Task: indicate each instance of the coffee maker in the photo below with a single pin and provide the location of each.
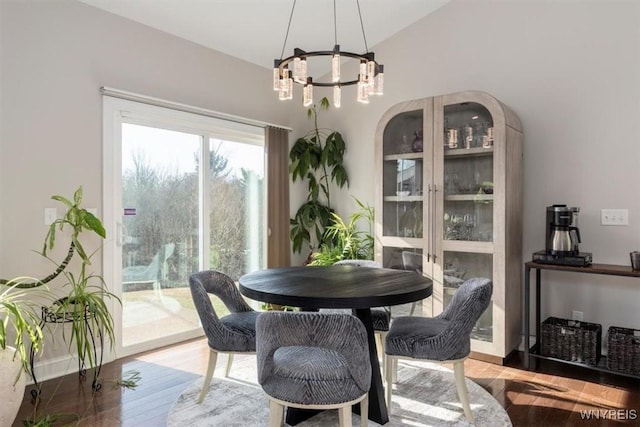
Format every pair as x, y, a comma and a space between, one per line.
562, 238
563, 235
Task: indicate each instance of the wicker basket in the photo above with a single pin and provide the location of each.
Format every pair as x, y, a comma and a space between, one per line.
624, 350
570, 340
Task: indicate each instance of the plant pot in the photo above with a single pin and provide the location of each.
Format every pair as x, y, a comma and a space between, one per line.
11, 392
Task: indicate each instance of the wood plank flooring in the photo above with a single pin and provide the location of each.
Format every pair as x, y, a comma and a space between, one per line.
552, 396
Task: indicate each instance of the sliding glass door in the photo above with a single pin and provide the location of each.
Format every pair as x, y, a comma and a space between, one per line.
188, 195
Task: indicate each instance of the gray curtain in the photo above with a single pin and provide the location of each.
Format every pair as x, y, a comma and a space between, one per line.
277, 150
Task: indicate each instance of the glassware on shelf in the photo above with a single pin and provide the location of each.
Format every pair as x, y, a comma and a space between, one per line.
452, 138
487, 140
417, 142
468, 137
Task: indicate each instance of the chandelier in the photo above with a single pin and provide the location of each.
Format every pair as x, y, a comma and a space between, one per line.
293, 69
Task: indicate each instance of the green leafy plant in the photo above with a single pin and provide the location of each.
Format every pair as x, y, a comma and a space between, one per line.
18, 314
344, 240
318, 158
84, 306
129, 380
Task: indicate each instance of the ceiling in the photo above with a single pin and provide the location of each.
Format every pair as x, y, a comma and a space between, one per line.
254, 30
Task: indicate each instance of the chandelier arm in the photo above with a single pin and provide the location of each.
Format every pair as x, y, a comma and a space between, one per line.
366, 48
362, 57
293, 7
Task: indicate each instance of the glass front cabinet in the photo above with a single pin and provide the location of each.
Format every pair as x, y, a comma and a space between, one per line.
449, 204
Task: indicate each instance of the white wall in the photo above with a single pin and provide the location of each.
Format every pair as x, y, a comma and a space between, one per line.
571, 71
55, 57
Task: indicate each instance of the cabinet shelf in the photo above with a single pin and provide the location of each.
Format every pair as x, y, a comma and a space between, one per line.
404, 156
468, 152
469, 198
403, 198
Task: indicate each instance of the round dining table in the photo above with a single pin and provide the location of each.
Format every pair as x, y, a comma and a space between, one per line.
340, 286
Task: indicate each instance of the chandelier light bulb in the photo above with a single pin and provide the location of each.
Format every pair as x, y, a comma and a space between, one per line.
363, 72
335, 67
307, 93
379, 88
337, 96
276, 78
363, 93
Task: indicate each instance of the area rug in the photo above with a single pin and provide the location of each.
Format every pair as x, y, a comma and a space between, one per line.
425, 395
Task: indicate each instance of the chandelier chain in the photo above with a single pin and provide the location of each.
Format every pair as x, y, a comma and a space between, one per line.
366, 48
335, 24
289, 26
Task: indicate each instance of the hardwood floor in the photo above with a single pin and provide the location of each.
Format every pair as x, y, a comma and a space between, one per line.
552, 396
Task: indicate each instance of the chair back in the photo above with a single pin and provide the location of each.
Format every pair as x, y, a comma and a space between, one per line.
360, 263
216, 283
468, 304
343, 333
412, 261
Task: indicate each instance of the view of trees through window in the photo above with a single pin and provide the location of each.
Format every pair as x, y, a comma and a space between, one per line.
162, 207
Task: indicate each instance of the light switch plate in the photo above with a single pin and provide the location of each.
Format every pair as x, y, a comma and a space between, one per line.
50, 215
614, 217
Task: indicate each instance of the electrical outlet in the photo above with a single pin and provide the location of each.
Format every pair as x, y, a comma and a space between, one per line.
576, 315
614, 217
50, 215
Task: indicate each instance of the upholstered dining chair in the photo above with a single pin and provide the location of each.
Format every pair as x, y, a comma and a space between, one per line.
412, 261
313, 360
233, 333
444, 338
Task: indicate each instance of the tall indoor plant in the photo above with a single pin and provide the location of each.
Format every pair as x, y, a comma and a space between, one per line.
316, 157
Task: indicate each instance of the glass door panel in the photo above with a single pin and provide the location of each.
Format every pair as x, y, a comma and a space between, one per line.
160, 241
236, 199
460, 266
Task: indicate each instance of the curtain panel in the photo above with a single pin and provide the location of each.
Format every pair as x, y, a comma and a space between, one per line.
277, 152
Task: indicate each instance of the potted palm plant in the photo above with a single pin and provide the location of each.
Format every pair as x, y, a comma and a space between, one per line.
345, 240
19, 333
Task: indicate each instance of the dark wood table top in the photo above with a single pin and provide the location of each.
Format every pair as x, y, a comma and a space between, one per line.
336, 286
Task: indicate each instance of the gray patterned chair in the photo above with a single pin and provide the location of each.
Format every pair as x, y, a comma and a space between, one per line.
233, 333
315, 361
412, 261
444, 338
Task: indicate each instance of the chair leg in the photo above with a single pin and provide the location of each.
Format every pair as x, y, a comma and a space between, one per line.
413, 308
213, 359
389, 378
463, 393
364, 411
229, 362
344, 416
276, 414
380, 338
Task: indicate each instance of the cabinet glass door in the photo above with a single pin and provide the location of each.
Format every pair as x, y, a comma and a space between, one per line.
467, 223
403, 177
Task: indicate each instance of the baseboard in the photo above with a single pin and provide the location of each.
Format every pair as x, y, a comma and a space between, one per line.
54, 368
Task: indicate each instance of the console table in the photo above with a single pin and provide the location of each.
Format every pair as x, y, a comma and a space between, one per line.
534, 352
